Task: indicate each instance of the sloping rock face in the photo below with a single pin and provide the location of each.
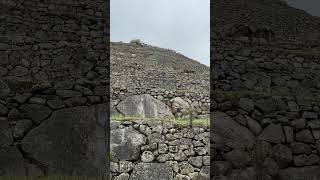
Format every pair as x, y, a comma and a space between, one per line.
143, 66
71, 141
144, 106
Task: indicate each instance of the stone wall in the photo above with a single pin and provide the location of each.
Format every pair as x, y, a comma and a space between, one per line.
265, 111
54, 88
155, 150
200, 101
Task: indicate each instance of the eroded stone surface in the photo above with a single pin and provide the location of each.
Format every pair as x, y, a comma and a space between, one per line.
156, 171
144, 106
78, 148
126, 143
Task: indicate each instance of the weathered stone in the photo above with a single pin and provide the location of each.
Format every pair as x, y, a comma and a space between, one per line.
35, 112
126, 143
299, 123
273, 133
164, 157
147, 156
267, 105
5, 133
144, 106
37, 100
238, 158
125, 166
4, 89
310, 115
246, 104
254, 126
314, 124
3, 110
185, 168
55, 104
156, 138
282, 153
306, 160
101, 90
227, 132
300, 148
19, 71
288, 131
242, 174
181, 177
293, 106
304, 136
79, 147
179, 105
271, 166
204, 173
220, 167
11, 162
22, 98
195, 161
156, 171
21, 127
122, 176
67, 93
163, 148
114, 167
292, 173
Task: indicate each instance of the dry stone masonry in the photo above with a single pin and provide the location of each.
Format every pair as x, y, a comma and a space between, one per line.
138, 69
265, 108
159, 150
53, 88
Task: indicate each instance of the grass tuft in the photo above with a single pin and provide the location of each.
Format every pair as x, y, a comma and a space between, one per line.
176, 122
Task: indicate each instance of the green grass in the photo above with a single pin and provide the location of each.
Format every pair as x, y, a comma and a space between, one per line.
49, 178
176, 122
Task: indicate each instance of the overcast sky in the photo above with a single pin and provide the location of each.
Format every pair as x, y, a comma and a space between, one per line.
311, 6
181, 25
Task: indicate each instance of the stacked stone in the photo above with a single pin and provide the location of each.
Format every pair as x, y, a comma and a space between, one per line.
136, 66
200, 101
53, 67
155, 150
266, 112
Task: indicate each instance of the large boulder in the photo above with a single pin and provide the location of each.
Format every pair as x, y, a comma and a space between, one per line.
180, 105
154, 171
227, 132
125, 144
308, 172
71, 142
144, 106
